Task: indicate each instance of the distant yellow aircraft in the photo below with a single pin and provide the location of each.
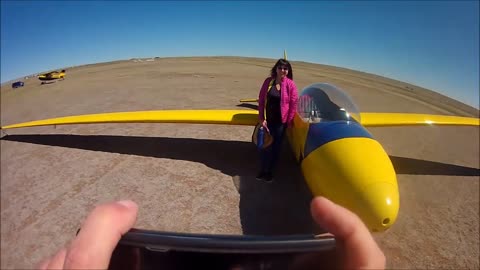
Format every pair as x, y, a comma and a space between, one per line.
54, 75
339, 158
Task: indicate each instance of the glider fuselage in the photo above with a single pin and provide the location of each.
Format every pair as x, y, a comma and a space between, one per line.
340, 160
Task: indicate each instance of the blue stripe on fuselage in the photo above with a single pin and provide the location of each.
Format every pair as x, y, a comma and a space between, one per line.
322, 133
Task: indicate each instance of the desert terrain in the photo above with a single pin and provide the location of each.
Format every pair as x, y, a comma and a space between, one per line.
201, 178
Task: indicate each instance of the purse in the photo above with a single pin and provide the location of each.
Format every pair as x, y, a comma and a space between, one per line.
261, 137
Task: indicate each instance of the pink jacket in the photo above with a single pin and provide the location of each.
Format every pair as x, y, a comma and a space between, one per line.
288, 100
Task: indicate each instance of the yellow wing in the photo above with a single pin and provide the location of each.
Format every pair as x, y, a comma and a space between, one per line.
239, 117
249, 100
229, 117
409, 119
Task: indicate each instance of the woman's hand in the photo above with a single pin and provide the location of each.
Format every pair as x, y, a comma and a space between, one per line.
264, 124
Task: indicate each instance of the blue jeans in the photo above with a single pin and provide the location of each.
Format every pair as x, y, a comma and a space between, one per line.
269, 155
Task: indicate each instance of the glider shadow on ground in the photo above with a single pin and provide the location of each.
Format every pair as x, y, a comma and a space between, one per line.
247, 105
194, 150
404, 165
281, 208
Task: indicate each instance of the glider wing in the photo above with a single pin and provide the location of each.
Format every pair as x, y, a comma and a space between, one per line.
249, 100
228, 117
410, 119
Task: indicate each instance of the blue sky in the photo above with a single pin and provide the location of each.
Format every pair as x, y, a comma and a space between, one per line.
433, 44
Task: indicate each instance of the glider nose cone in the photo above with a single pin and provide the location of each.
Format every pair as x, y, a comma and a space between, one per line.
384, 204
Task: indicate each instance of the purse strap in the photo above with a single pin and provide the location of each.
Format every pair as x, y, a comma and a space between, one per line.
272, 81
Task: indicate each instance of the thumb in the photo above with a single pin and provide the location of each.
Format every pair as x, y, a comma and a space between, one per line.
358, 246
100, 233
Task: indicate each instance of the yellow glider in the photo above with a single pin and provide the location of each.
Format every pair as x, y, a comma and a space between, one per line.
54, 75
339, 158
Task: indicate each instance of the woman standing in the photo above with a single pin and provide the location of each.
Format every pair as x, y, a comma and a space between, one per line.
277, 104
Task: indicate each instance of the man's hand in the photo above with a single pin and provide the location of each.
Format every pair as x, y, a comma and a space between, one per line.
355, 245
98, 237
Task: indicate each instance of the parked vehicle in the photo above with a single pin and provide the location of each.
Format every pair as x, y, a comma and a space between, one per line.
18, 84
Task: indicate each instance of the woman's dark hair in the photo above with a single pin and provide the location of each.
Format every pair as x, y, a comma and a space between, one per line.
282, 62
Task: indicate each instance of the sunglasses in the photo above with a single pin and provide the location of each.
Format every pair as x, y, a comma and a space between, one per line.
282, 68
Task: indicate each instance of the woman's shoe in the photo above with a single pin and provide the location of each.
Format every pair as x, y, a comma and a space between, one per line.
260, 176
268, 177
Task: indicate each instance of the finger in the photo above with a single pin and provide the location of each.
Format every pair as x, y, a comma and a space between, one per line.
361, 250
100, 233
337, 220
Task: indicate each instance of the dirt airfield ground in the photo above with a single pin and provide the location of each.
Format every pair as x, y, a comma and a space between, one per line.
200, 178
